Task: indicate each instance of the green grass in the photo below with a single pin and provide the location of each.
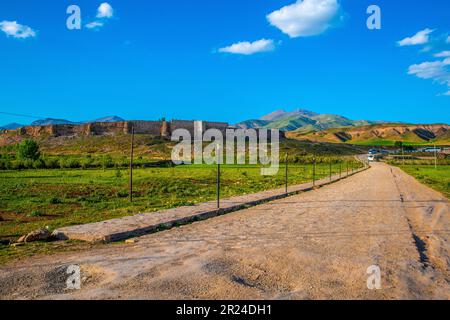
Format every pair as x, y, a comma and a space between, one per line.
438, 179
32, 199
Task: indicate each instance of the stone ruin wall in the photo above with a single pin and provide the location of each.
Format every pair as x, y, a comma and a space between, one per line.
156, 128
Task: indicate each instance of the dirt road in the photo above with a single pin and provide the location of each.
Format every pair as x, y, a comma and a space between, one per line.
314, 245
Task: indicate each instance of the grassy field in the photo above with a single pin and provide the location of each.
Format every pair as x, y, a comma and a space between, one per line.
438, 179
85, 179
31, 199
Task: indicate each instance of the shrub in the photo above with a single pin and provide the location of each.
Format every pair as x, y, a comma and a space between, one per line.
55, 200
28, 164
39, 164
51, 163
9, 165
107, 162
87, 163
69, 163
28, 149
36, 213
122, 194
73, 164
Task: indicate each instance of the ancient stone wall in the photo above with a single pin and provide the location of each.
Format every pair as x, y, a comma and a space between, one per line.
157, 128
222, 126
147, 127
182, 124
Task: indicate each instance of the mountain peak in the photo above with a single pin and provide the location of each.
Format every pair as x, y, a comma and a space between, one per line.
281, 114
50, 121
109, 119
301, 119
12, 126
272, 116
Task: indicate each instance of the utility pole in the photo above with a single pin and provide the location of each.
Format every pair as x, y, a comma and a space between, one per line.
131, 162
403, 155
218, 176
435, 157
286, 174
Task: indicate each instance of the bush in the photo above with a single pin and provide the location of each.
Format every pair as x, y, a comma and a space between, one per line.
9, 165
69, 164
28, 149
122, 194
51, 163
73, 164
55, 200
28, 164
107, 162
16, 165
39, 164
87, 163
36, 213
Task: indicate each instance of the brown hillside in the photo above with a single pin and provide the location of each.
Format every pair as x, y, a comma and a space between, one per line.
433, 133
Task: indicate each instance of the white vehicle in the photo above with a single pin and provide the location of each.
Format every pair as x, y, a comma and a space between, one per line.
371, 157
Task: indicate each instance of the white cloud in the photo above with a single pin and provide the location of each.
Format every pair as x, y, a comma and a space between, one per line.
438, 71
421, 37
94, 25
105, 11
448, 39
305, 17
249, 48
442, 54
16, 30
429, 70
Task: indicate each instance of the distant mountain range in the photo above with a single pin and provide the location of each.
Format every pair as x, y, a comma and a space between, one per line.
108, 119
302, 120
50, 121
380, 134
12, 126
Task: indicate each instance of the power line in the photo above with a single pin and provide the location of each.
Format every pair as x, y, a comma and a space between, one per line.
20, 115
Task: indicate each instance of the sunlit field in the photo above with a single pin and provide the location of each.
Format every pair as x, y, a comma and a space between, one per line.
30, 199
438, 179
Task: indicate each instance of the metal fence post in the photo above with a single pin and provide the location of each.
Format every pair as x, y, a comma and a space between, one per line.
131, 162
331, 169
314, 172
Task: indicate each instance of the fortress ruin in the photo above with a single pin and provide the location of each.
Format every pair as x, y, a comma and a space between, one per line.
161, 129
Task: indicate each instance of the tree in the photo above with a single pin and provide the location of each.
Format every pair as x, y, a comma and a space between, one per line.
399, 143
28, 150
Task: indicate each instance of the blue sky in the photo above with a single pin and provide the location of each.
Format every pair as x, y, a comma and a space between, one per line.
175, 59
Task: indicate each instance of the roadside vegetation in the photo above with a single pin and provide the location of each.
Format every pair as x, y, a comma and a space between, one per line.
438, 179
